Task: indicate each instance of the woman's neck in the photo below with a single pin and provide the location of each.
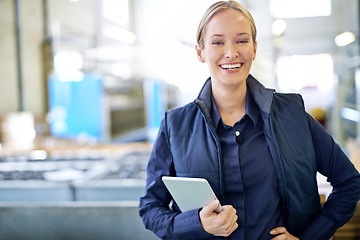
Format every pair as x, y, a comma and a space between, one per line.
230, 102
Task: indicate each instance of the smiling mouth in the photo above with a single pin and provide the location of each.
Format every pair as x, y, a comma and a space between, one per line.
231, 66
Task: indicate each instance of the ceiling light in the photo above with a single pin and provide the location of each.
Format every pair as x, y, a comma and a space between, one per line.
278, 27
344, 39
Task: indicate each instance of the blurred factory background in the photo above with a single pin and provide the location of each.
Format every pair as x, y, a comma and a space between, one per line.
84, 85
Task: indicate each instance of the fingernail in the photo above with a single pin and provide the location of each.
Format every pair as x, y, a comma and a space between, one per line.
272, 232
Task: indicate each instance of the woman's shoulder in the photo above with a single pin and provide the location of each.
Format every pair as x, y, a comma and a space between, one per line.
288, 99
181, 110
184, 117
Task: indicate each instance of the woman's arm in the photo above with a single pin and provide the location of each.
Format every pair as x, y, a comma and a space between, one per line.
344, 178
154, 207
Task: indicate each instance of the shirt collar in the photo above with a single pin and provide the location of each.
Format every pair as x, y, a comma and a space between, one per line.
251, 110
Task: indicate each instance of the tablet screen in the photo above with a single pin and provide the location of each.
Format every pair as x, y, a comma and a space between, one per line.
190, 193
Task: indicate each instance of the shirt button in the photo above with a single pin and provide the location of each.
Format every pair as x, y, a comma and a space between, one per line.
237, 133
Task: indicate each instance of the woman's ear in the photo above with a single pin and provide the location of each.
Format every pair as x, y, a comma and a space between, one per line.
199, 53
255, 48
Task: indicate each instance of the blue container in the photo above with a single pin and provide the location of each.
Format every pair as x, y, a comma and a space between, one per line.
76, 107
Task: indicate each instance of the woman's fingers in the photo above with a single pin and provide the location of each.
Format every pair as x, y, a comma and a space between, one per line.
282, 234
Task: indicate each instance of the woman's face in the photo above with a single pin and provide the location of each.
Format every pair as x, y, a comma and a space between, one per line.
228, 47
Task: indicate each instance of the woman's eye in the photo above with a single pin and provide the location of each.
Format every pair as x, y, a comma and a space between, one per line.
217, 43
243, 41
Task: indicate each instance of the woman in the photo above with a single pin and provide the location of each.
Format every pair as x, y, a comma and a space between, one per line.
259, 150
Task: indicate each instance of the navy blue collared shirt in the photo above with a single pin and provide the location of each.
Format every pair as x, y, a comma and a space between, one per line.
250, 181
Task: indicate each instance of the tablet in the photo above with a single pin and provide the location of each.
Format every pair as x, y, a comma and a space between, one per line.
190, 193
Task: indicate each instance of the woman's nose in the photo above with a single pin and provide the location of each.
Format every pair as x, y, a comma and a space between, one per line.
230, 51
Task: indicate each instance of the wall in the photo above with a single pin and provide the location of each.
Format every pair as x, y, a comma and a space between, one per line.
78, 19
32, 37
31, 32
8, 82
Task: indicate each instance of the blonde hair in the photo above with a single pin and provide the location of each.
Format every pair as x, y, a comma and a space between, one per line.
219, 7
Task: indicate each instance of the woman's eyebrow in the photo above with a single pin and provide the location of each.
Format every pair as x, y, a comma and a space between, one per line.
217, 35
245, 33
222, 35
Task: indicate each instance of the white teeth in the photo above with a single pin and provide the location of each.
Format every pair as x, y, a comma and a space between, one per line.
230, 66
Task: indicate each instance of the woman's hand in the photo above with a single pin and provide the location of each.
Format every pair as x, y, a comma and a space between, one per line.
282, 234
218, 224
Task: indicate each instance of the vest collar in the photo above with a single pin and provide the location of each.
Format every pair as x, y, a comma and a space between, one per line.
262, 96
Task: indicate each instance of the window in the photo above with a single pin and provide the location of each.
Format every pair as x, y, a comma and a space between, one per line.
300, 72
116, 11
300, 8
